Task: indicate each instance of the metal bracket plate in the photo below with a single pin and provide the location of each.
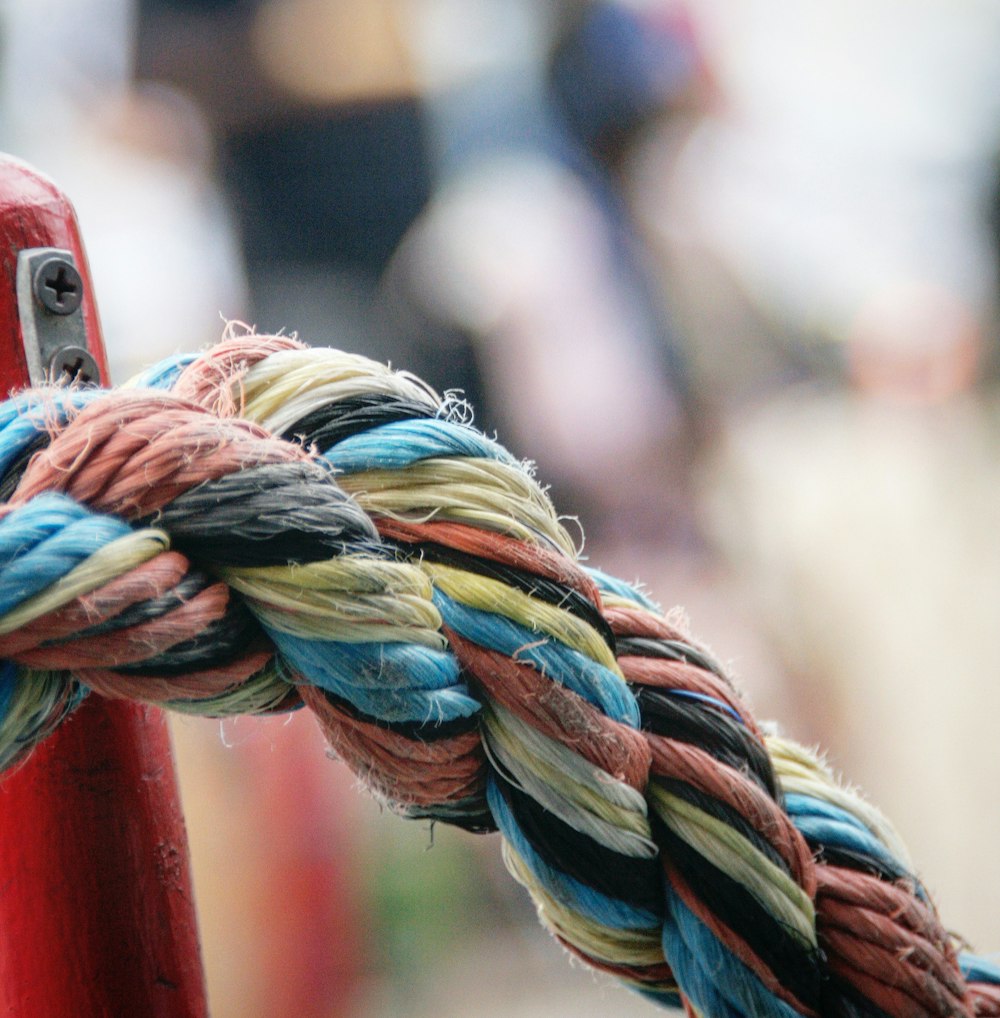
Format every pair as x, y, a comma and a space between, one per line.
50, 307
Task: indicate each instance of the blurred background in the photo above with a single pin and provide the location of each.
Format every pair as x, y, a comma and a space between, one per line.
726, 269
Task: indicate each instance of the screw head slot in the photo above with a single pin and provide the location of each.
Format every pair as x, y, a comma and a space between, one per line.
58, 286
74, 364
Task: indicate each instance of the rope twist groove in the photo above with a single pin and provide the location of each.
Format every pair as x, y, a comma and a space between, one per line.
265, 525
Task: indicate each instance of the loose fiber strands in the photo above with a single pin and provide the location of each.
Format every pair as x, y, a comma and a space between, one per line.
265, 525
363, 454
212, 483
383, 388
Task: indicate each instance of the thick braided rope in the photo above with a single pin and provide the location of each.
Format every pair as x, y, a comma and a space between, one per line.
266, 525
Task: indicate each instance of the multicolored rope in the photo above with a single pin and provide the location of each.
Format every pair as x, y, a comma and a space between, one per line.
267, 525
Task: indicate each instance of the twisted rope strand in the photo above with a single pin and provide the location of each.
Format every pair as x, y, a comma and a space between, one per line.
264, 526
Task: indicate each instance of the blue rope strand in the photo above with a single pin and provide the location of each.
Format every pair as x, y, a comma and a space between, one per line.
390, 681
612, 585
164, 374
42, 541
825, 824
402, 443
979, 970
25, 416
714, 979
8, 677
565, 889
597, 684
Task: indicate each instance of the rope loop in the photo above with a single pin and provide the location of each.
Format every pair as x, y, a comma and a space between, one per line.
265, 526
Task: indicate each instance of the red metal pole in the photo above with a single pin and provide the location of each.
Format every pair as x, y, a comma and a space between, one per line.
96, 907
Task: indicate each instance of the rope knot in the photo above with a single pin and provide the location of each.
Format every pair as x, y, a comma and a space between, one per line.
265, 526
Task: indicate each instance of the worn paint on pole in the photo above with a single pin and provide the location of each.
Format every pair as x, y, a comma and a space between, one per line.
96, 907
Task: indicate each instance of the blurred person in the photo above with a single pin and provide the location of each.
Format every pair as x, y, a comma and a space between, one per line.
407, 185
375, 151
137, 164
823, 224
834, 194
137, 160
347, 131
315, 109
528, 247
617, 67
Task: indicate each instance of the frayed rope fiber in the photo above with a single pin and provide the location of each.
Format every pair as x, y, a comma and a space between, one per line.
265, 526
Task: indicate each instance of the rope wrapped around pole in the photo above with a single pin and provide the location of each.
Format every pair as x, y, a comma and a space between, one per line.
266, 525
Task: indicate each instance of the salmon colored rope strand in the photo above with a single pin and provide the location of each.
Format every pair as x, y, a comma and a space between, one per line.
270, 526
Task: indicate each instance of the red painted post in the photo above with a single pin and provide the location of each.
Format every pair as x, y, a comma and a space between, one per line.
96, 908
